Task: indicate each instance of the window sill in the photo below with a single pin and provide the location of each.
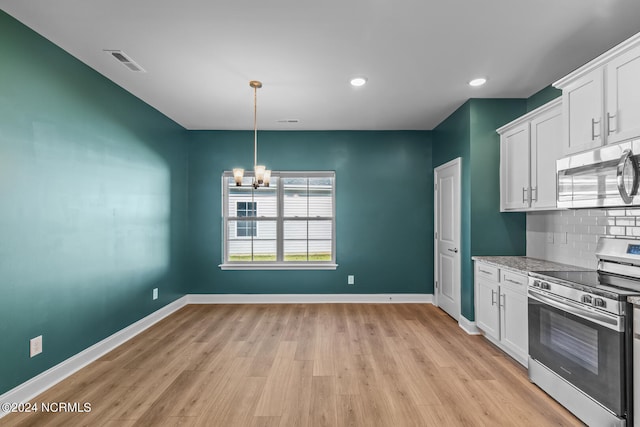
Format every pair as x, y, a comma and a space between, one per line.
275, 266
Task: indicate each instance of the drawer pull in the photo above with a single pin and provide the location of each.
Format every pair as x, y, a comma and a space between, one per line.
485, 271
515, 282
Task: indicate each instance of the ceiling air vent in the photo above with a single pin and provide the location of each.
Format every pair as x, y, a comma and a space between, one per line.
125, 60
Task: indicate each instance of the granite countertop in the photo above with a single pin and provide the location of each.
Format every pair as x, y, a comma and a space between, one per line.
523, 264
634, 300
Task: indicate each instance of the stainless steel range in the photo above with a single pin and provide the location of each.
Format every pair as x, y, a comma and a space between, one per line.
580, 334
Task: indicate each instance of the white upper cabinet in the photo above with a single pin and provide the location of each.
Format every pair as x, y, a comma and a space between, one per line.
583, 100
514, 162
602, 99
529, 148
546, 148
623, 96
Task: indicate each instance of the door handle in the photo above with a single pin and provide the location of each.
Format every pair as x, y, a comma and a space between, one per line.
593, 129
454, 250
609, 117
493, 295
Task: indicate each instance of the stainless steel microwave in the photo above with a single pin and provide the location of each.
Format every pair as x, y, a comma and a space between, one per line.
604, 177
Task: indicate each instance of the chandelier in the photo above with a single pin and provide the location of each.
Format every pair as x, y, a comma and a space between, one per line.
261, 175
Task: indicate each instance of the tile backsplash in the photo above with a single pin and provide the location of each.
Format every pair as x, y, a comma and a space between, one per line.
570, 236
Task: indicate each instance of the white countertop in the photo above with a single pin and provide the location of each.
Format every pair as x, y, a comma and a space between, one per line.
523, 264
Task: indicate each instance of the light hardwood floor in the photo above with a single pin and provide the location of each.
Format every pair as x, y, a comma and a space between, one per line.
303, 365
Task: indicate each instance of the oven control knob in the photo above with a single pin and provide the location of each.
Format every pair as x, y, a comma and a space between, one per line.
599, 302
544, 285
587, 299
536, 283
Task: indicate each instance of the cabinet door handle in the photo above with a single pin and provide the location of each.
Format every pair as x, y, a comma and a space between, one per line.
593, 128
534, 199
609, 130
502, 297
524, 195
493, 297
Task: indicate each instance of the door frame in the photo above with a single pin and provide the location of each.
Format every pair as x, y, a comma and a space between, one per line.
457, 222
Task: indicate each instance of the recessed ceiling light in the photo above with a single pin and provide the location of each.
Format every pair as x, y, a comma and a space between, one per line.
358, 81
477, 82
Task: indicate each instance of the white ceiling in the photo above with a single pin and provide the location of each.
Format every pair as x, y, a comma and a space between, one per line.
417, 54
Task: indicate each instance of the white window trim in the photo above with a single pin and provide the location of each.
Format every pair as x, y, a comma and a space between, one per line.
279, 265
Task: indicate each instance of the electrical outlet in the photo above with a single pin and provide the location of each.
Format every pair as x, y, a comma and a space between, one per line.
35, 346
351, 279
155, 293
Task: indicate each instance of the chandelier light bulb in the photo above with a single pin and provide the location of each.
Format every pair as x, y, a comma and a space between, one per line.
259, 171
237, 175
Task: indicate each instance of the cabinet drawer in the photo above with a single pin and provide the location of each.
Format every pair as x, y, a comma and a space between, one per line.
488, 271
518, 281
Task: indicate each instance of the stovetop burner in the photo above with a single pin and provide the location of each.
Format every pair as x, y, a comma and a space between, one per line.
609, 285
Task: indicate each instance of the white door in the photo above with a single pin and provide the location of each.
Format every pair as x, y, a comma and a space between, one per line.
447, 237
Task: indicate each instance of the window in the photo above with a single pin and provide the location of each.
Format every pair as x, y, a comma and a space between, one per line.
288, 225
246, 228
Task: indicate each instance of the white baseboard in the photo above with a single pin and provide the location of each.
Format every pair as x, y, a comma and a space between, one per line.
468, 326
307, 298
47, 379
38, 384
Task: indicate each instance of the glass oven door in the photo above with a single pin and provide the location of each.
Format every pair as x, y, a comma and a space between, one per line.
582, 345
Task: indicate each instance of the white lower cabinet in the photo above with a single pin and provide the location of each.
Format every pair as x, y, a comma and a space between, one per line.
501, 309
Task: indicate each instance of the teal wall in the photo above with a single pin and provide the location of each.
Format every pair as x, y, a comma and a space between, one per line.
487, 223
384, 209
541, 97
92, 183
470, 133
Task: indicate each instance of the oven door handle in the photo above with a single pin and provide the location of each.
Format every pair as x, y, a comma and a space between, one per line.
608, 321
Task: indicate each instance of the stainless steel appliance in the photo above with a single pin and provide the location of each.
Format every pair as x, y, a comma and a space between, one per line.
606, 176
636, 361
581, 334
